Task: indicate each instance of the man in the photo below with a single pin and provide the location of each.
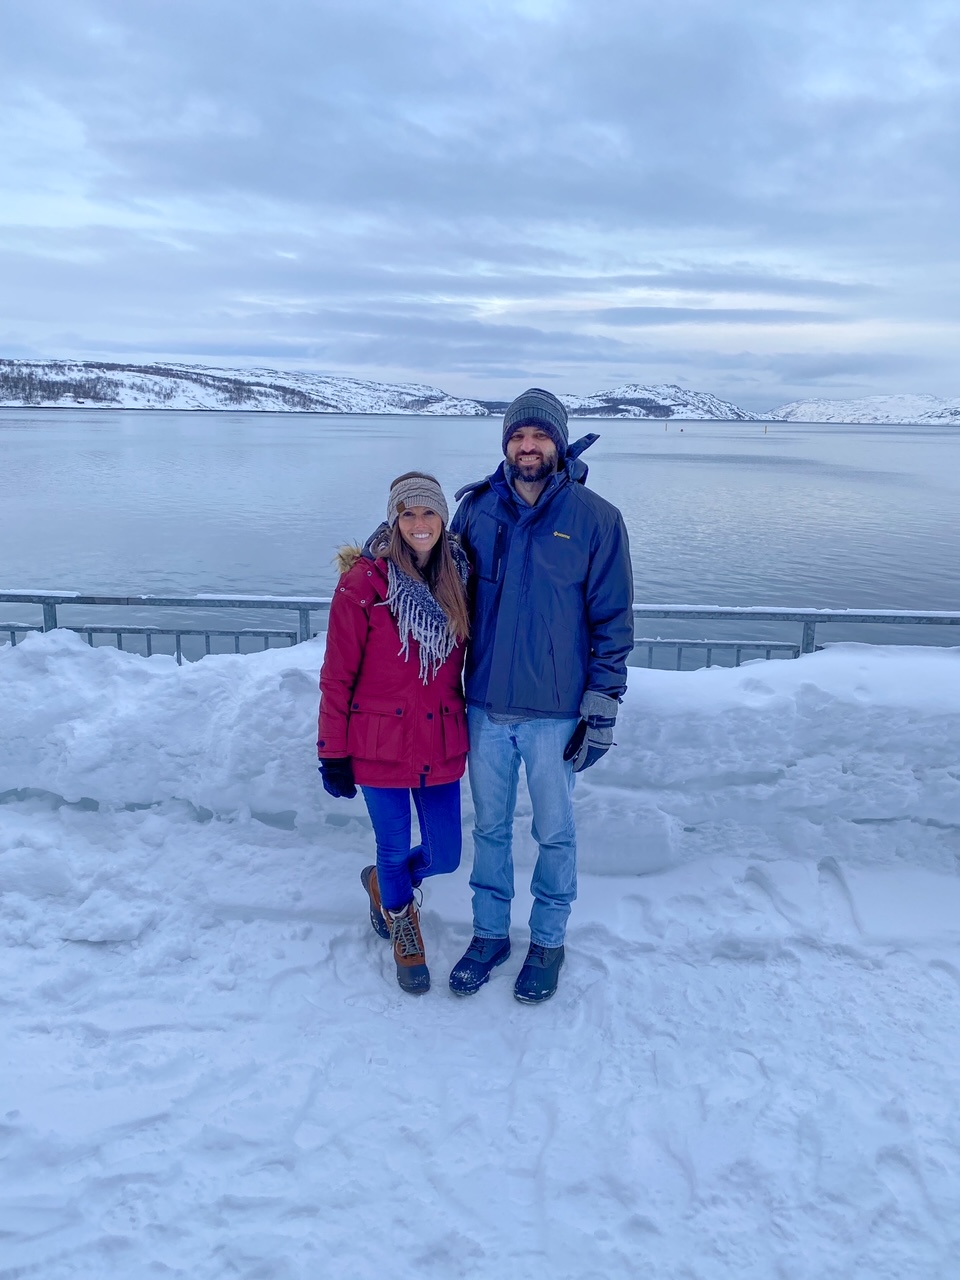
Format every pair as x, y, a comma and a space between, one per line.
551, 627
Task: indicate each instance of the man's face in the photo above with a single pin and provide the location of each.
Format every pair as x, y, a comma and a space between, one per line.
531, 454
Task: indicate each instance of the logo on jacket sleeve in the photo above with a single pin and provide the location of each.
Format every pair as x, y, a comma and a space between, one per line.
558, 534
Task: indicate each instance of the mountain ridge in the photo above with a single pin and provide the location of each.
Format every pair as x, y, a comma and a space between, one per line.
916, 410
174, 385
659, 400
163, 385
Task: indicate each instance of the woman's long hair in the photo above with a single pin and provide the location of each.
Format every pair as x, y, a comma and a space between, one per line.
440, 573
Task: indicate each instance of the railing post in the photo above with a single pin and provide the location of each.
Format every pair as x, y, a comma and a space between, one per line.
808, 643
49, 616
304, 624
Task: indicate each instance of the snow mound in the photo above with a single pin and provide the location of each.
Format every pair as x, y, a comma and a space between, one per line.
749, 1069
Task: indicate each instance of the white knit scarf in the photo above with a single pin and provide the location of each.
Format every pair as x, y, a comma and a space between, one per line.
419, 615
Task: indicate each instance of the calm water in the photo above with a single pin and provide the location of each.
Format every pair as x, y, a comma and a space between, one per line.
718, 513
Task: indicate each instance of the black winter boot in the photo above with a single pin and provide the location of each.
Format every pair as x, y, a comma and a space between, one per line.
537, 980
474, 967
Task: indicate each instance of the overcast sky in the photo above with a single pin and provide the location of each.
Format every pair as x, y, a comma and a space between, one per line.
758, 199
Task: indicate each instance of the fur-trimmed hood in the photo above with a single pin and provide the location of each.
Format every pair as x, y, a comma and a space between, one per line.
347, 557
374, 547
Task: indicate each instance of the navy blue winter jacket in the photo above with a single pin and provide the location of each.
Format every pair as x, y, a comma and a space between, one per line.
553, 590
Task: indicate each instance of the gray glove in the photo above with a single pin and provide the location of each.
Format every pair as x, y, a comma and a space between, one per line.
593, 736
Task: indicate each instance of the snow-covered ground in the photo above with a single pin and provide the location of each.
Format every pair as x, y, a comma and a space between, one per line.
750, 1069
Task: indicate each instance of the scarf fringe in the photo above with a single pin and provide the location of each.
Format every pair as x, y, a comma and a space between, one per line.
419, 616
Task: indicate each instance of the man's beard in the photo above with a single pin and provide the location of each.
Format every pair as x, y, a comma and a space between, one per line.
543, 472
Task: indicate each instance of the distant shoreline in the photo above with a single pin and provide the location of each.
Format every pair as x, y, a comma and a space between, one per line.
189, 388
457, 417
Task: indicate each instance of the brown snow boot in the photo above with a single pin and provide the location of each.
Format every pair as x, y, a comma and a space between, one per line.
368, 878
412, 972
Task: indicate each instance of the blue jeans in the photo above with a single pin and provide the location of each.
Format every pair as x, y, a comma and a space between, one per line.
400, 868
494, 762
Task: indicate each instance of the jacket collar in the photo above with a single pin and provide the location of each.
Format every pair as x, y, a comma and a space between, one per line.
573, 472
376, 544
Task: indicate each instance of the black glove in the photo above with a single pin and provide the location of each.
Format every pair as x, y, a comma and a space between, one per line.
593, 736
338, 777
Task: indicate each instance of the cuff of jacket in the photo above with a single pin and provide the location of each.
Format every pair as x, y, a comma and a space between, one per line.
598, 704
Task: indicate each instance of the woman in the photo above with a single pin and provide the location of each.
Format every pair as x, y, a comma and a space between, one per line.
391, 707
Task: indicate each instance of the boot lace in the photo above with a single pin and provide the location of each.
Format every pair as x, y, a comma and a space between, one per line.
538, 953
404, 935
482, 947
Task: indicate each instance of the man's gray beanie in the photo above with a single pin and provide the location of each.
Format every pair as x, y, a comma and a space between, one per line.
537, 408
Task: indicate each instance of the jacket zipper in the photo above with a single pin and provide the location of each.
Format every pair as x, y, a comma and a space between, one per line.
498, 548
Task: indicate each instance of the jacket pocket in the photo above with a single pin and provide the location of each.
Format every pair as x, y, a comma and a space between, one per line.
376, 729
456, 737
489, 546
569, 657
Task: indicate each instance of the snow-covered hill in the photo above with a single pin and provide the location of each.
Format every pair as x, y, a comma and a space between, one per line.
104, 385
72, 383
890, 409
661, 400
67, 383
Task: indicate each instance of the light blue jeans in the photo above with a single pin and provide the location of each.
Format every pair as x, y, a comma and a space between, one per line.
494, 763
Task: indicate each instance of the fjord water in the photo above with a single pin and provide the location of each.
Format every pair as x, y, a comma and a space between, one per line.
725, 513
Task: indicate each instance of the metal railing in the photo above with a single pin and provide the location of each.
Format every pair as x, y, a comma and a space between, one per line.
305, 607
809, 620
49, 601
710, 647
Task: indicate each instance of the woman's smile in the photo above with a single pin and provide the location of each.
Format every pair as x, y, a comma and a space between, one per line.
420, 528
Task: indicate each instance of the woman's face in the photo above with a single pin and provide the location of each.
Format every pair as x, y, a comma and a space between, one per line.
420, 528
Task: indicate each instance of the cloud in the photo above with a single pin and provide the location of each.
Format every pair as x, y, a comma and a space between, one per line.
707, 315
479, 187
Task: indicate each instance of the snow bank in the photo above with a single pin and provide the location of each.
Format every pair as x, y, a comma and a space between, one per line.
749, 1069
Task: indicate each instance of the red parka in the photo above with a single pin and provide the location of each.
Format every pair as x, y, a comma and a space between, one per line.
374, 707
